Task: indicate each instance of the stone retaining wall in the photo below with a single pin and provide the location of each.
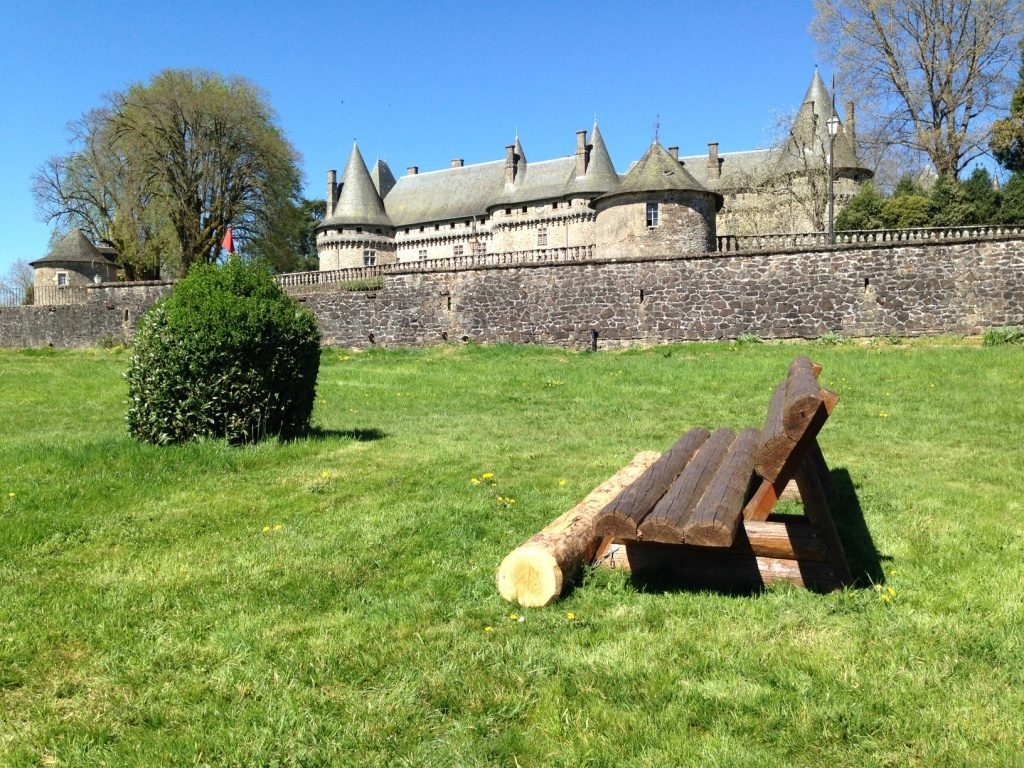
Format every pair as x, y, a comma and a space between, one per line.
861, 290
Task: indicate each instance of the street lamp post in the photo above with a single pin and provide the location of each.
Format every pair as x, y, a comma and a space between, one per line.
833, 129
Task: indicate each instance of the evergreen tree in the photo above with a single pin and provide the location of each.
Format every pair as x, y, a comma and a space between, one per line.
982, 195
950, 205
909, 206
1011, 208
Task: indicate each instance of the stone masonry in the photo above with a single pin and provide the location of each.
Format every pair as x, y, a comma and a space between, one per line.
881, 289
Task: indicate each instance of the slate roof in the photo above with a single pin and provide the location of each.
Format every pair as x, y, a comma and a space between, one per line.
358, 201
74, 247
657, 171
472, 190
382, 177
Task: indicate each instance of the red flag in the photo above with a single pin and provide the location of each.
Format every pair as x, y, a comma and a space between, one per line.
229, 243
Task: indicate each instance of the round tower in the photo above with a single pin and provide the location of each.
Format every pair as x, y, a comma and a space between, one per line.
657, 209
356, 231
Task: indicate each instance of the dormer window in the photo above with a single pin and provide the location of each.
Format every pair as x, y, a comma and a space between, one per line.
652, 214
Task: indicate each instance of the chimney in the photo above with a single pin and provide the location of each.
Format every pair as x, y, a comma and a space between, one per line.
332, 192
412, 170
510, 163
851, 125
674, 151
457, 162
714, 164
581, 153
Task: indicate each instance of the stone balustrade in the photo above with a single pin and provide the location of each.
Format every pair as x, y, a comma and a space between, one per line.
789, 240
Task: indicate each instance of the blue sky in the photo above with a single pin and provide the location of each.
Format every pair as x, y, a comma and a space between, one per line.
415, 83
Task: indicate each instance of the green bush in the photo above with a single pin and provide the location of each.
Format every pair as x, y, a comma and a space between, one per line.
227, 355
1006, 335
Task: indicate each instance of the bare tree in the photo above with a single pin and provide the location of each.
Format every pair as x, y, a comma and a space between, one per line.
927, 73
18, 283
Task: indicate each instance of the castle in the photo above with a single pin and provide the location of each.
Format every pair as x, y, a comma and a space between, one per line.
662, 203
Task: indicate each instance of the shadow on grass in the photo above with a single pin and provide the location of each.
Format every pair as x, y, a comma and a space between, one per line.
864, 558
670, 568
318, 434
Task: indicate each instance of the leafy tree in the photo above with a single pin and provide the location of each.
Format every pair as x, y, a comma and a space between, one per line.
863, 211
1008, 134
288, 244
162, 169
927, 71
1011, 206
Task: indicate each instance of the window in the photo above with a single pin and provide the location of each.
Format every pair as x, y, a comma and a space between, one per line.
508, 211
369, 258
479, 248
457, 250
554, 206
652, 214
62, 279
524, 209
423, 254
542, 236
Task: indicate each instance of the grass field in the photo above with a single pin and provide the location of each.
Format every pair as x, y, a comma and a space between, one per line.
327, 601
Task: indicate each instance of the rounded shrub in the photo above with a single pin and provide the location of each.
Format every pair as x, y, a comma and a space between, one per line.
227, 355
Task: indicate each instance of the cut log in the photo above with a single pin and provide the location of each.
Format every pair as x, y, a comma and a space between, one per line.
666, 520
535, 573
717, 515
622, 516
714, 570
803, 398
792, 540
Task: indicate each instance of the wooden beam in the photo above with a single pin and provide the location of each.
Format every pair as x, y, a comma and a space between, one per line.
665, 522
817, 511
711, 569
622, 516
717, 515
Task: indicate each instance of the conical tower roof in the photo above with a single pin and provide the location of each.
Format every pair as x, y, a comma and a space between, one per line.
809, 132
657, 171
359, 202
74, 247
600, 176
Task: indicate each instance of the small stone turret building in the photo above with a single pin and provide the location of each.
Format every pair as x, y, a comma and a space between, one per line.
74, 261
663, 204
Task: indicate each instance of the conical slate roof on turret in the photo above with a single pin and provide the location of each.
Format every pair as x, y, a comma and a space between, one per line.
74, 247
809, 132
600, 176
358, 201
657, 171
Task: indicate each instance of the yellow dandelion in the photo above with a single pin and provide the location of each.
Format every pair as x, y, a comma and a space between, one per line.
883, 414
474, 481
886, 599
12, 494
266, 528
513, 617
562, 481
488, 629
891, 592
487, 475
570, 616
278, 527
325, 474
511, 501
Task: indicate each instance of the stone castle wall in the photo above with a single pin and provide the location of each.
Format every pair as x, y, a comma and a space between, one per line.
857, 290
108, 313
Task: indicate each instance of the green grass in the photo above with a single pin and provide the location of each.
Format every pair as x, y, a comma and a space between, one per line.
147, 619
